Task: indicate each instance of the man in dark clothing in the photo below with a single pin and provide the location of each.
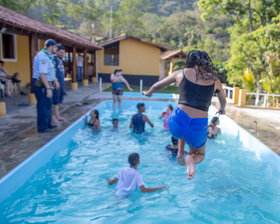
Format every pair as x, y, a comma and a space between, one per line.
138, 120
60, 75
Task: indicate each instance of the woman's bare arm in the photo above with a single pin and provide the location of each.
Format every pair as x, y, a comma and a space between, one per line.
163, 83
126, 83
221, 96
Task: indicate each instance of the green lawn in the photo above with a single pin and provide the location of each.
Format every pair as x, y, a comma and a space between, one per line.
169, 89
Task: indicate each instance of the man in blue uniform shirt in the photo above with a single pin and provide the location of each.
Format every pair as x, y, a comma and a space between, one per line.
43, 82
60, 75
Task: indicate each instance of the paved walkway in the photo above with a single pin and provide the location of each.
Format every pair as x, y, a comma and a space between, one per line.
266, 122
19, 137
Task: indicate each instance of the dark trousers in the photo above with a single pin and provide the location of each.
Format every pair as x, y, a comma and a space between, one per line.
44, 106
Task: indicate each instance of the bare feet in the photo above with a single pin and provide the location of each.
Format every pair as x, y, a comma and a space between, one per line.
180, 158
54, 121
59, 118
190, 167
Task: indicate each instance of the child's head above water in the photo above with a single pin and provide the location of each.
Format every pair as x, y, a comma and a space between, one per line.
94, 113
115, 122
134, 159
169, 109
215, 121
141, 107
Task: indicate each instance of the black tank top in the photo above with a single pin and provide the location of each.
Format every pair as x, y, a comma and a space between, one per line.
194, 95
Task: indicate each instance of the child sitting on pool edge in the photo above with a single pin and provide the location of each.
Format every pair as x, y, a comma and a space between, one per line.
129, 178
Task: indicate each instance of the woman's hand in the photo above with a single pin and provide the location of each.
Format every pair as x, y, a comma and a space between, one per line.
130, 89
221, 112
147, 93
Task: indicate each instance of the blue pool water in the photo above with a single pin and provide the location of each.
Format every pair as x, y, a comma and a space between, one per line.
232, 185
155, 95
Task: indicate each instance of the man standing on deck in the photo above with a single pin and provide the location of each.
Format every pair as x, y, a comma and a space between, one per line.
60, 75
43, 82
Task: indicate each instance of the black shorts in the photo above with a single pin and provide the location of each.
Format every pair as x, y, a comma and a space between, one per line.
58, 96
117, 92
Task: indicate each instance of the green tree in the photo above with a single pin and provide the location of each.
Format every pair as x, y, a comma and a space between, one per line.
21, 6
258, 12
249, 50
271, 78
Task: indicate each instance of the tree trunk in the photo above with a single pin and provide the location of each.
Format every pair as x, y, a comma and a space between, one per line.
250, 17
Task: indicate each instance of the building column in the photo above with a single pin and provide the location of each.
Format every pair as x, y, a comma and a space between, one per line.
172, 62
236, 94
74, 84
242, 98
3, 111
32, 53
85, 75
69, 64
95, 68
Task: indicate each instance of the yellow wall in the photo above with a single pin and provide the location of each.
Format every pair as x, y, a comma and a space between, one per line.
135, 58
22, 65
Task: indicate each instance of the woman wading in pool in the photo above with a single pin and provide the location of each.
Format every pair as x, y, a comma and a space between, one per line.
189, 121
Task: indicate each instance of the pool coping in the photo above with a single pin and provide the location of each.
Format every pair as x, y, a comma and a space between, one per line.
16, 178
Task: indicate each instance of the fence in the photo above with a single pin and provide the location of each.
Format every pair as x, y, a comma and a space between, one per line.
263, 100
229, 93
242, 98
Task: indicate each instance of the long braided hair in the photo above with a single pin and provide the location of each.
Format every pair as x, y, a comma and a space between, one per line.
202, 63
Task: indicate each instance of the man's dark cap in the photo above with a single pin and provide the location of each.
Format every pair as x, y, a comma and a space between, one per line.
60, 47
50, 42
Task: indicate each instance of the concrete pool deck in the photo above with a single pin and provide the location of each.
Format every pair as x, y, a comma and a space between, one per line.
19, 137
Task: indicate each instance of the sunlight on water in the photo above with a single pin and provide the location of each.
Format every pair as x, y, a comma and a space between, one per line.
231, 185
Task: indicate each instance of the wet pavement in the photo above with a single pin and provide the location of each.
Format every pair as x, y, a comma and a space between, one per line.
19, 137
262, 123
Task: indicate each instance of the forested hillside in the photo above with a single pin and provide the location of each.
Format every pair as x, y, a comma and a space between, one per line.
241, 36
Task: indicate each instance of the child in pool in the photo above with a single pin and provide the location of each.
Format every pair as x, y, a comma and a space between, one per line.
94, 120
138, 120
165, 115
213, 129
174, 147
129, 178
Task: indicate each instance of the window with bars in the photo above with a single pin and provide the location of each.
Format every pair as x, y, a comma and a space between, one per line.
111, 54
8, 46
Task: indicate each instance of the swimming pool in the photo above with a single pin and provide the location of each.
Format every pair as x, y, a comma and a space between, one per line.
238, 182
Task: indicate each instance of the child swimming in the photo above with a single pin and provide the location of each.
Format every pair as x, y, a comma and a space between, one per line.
138, 120
165, 115
130, 179
213, 129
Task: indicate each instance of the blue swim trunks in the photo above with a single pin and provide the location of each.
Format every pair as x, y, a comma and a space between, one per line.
192, 130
